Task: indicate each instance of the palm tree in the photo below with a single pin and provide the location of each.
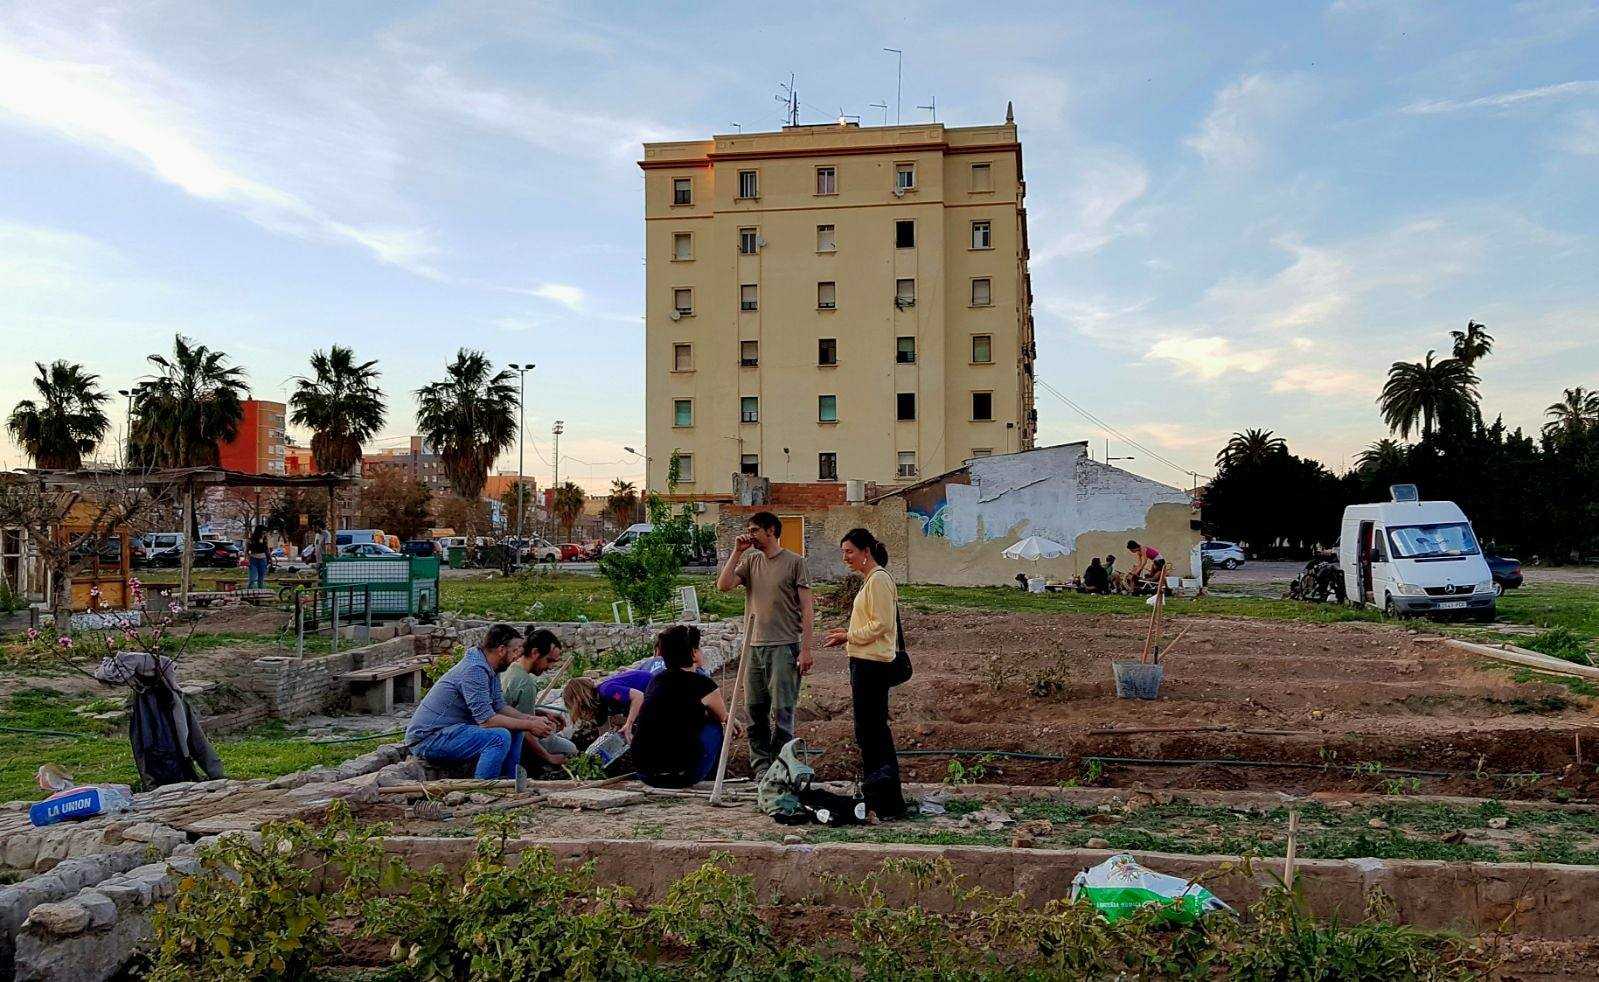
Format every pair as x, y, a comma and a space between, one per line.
623, 502
195, 404
469, 418
341, 405
1384, 456
1473, 344
1427, 392
1578, 410
1250, 447
567, 504
67, 422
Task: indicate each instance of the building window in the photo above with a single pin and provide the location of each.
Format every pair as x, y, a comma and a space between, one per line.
905, 406
982, 235
746, 241
982, 177
982, 405
747, 296
683, 300
904, 293
683, 412
682, 190
905, 235
982, 349
827, 467
682, 246
826, 240
750, 464
685, 468
826, 180
748, 184
827, 409
749, 409
827, 351
827, 295
749, 353
982, 451
982, 292
904, 176
907, 463
905, 351
682, 357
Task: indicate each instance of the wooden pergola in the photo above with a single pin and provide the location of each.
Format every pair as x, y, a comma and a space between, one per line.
187, 482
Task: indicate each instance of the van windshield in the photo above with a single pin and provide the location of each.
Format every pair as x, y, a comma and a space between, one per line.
1433, 541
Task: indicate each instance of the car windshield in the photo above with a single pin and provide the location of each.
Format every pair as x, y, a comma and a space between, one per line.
1433, 541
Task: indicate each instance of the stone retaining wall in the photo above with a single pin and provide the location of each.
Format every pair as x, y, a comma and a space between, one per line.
719, 640
295, 687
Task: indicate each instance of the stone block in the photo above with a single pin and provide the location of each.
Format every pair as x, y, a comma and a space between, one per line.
102, 910
60, 919
125, 893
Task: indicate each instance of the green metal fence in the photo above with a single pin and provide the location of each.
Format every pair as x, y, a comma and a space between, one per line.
399, 586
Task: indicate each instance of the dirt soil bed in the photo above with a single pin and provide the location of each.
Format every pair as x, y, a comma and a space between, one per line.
1333, 696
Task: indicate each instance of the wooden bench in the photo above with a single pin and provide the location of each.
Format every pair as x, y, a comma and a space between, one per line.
376, 690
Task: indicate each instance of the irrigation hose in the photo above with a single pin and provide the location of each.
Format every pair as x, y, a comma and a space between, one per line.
1222, 762
101, 736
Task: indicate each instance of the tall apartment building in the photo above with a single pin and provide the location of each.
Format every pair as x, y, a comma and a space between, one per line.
416, 461
836, 302
261, 441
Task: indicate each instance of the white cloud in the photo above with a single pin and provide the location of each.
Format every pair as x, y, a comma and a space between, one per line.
1234, 134
1208, 358
95, 91
1583, 136
1504, 100
567, 296
1099, 184
1325, 380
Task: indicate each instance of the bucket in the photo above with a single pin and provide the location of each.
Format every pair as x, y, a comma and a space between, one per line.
608, 747
1137, 680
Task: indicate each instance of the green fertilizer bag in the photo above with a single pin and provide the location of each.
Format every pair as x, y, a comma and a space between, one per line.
1119, 886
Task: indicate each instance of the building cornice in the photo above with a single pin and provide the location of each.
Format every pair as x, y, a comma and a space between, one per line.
847, 151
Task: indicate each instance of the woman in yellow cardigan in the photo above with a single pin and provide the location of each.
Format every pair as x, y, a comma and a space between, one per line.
871, 640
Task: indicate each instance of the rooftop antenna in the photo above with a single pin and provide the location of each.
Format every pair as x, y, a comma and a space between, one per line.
737, 126
790, 100
899, 84
884, 107
844, 117
932, 108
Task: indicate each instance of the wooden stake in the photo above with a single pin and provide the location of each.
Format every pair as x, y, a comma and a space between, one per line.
1154, 618
1159, 653
732, 709
1577, 739
1293, 848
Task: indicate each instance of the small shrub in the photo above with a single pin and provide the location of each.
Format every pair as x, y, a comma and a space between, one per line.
585, 767
443, 664
1562, 643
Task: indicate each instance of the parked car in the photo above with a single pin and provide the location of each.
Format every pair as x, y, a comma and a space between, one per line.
1227, 555
1506, 573
217, 553
158, 549
541, 551
572, 552
1407, 556
624, 542
367, 550
423, 548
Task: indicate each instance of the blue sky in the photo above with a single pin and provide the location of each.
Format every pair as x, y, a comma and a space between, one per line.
1240, 214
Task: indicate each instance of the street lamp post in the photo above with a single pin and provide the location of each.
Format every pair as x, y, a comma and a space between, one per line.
521, 450
127, 421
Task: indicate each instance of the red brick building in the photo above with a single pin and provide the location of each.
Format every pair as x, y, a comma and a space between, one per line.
260, 444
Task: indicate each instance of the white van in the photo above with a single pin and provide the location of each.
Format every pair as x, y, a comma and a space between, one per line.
1407, 556
625, 541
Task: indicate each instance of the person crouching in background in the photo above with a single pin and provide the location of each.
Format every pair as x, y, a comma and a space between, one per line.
681, 724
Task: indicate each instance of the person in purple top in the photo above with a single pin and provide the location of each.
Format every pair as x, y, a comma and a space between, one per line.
593, 703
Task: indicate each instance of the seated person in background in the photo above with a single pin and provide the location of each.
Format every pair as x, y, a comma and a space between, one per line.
541, 651
1147, 562
465, 717
1096, 578
680, 726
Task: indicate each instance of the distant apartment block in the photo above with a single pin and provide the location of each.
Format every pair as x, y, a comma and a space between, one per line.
836, 302
261, 444
416, 460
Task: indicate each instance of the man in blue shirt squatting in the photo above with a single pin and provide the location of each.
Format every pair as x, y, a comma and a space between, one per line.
465, 715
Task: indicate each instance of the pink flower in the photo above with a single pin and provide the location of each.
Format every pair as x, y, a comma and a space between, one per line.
110, 640
94, 591
175, 607
64, 641
33, 634
134, 583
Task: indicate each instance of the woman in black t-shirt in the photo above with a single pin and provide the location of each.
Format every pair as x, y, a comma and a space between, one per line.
678, 736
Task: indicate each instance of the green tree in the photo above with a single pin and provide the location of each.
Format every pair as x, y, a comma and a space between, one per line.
1473, 344
567, 504
396, 503
192, 406
342, 406
469, 418
1575, 413
1428, 393
66, 422
1386, 455
623, 503
1251, 447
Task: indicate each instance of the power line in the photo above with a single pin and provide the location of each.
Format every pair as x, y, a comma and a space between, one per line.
1119, 434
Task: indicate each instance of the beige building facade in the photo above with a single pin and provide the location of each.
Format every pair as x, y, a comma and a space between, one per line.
836, 302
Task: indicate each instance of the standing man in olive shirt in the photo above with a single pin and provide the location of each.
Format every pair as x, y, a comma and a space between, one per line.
778, 590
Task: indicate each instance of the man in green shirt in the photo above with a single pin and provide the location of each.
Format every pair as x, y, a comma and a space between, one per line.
541, 651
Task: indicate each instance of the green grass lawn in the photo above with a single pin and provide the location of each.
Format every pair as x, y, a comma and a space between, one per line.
1570, 605
560, 597
930, 598
100, 751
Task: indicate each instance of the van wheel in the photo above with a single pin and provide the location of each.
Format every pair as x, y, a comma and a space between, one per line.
1389, 608
1230, 564
1499, 589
